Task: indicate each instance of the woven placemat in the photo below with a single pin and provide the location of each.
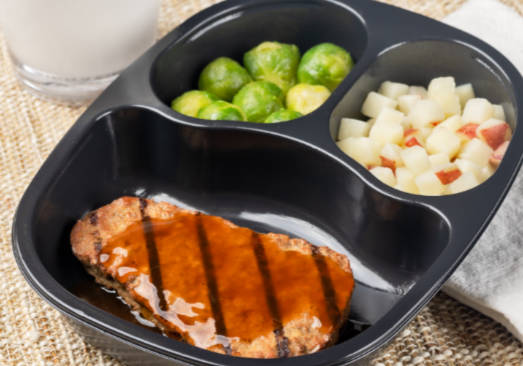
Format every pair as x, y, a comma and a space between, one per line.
33, 333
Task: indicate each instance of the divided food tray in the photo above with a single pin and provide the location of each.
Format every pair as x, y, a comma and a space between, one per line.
285, 177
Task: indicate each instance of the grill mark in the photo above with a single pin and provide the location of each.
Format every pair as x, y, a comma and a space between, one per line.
282, 342
152, 253
212, 286
326, 283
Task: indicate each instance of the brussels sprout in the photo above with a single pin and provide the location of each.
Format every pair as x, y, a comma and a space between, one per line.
189, 103
274, 62
305, 98
283, 115
259, 99
325, 64
220, 110
223, 77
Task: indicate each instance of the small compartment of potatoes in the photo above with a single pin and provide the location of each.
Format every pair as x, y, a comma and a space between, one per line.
433, 137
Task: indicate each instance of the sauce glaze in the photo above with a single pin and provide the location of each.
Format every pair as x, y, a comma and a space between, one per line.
215, 283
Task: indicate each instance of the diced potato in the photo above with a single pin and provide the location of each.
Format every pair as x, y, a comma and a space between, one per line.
449, 103
390, 115
350, 127
429, 184
362, 149
486, 172
387, 127
407, 101
467, 132
416, 159
384, 174
392, 152
476, 151
438, 160
477, 110
441, 86
465, 92
498, 154
375, 103
393, 90
444, 141
425, 112
467, 181
468, 166
418, 90
494, 132
405, 181
498, 112
447, 173
452, 123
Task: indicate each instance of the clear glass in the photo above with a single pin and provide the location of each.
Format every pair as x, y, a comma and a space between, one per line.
70, 50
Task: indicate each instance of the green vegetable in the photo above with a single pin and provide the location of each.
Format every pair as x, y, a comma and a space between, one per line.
259, 99
274, 62
305, 98
189, 103
223, 77
221, 110
325, 64
283, 115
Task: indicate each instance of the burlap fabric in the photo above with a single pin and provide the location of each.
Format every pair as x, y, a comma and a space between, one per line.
32, 333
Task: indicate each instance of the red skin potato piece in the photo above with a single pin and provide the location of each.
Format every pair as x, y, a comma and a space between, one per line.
469, 130
388, 163
494, 136
448, 176
498, 154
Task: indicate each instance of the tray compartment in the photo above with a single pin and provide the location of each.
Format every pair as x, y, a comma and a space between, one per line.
417, 62
234, 32
254, 179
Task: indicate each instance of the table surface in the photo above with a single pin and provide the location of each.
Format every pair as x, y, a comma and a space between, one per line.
33, 333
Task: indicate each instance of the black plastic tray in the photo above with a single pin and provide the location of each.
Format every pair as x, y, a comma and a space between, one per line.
288, 177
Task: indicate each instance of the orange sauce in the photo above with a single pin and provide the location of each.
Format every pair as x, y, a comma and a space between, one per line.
213, 282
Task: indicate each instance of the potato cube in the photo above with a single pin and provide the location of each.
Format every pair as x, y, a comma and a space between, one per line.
429, 184
425, 112
362, 149
390, 115
498, 112
467, 181
465, 92
416, 159
350, 127
418, 90
452, 123
407, 101
467, 166
438, 160
384, 174
476, 151
448, 173
494, 132
375, 103
444, 141
441, 86
477, 110
393, 90
498, 154
449, 103
405, 181
486, 172
390, 156
387, 127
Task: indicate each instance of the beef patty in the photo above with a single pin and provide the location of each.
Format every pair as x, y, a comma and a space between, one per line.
208, 282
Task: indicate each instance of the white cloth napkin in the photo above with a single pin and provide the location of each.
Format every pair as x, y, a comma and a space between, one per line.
490, 279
